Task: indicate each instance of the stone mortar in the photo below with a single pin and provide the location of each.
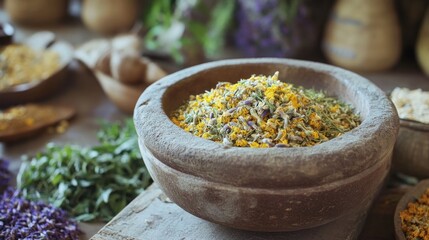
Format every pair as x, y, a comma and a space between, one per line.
271, 189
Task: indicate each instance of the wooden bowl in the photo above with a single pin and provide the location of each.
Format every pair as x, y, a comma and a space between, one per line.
411, 196
15, 135
270, 189
37, 90
411, 152
124, 96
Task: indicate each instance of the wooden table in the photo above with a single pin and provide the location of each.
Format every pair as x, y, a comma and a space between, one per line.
152, 216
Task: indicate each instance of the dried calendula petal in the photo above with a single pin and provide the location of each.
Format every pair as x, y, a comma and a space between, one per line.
263, 111
414, 219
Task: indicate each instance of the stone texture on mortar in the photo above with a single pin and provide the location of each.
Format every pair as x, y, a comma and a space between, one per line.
328, 180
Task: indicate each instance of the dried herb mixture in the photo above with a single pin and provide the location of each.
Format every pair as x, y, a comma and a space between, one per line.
262, 112
25, 116
411, 104
414, 219
21, 64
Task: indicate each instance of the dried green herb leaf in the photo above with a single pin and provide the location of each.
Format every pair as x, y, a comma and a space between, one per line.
90, 183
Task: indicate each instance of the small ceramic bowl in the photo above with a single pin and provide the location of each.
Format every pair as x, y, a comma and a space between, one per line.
411, 152
38, 90
414, 193
270, 189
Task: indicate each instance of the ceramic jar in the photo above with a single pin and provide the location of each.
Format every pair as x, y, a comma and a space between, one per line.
363, 35
110, 16
422, 46
36, 12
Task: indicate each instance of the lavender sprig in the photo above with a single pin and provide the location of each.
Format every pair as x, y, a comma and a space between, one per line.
274, 28
23, 219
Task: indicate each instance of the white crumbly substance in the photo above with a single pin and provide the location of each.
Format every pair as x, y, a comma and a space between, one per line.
411, 104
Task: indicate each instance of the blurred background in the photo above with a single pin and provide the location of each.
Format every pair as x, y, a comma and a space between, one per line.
360, 35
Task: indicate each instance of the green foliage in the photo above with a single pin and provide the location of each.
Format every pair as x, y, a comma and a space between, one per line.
172, 25
90, 183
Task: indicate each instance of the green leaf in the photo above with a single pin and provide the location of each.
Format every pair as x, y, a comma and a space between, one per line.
103, 197
84, 183
90, 183
85, 217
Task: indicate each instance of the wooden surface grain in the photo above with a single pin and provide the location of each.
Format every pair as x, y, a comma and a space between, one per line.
152, 216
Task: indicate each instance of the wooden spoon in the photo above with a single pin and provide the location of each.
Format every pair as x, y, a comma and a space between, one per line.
61, 113
411, 196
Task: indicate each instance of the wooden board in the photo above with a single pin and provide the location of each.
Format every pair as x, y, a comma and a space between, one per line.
152, 216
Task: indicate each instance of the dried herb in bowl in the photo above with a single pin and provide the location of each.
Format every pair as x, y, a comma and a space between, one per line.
25, 116
414, 219
90, 183
411, 104
265, 112
20, 64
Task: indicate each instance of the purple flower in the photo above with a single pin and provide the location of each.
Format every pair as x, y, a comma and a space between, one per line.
265, 113
274, 28
23, 219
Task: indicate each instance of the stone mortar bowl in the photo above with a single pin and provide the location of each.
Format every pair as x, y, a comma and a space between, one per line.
271, 189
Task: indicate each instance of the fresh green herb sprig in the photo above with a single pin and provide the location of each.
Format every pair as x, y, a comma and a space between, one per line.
175, 25
90, 183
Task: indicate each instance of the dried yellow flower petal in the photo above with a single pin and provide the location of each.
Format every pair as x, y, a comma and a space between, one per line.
263, 111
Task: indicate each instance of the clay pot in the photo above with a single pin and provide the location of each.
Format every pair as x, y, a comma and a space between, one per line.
411, 152
39, 90
414, 193
363, 35
110, 16
271, 189
36, 12
422, 45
